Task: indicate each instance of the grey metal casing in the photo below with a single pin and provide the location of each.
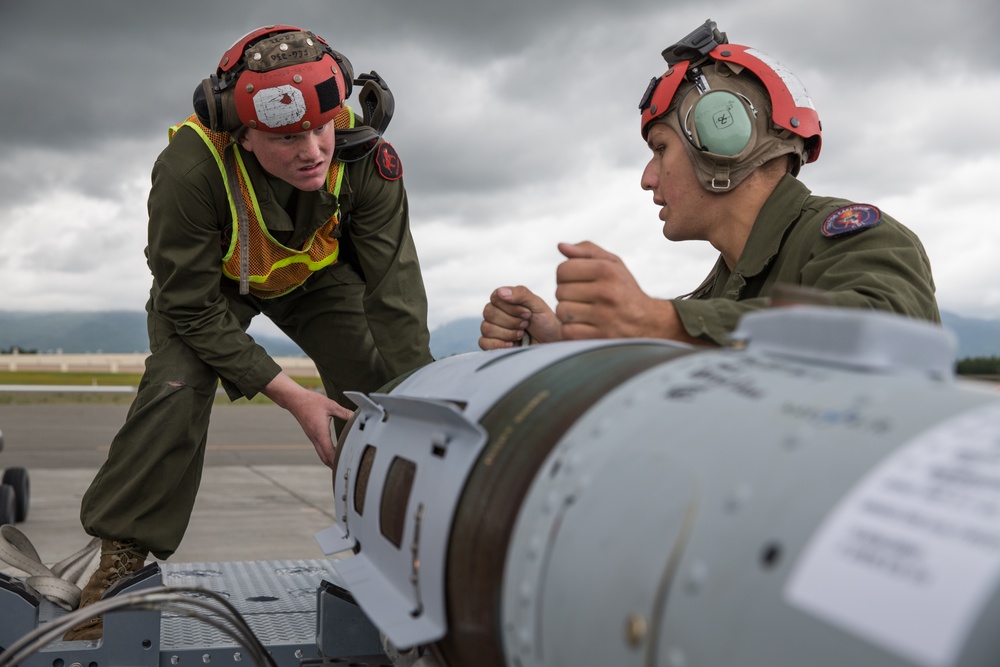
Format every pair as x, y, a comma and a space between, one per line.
431, 420
666, 526
700, 512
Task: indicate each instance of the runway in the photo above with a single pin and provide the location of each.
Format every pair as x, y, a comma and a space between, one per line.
263, 494
77, 435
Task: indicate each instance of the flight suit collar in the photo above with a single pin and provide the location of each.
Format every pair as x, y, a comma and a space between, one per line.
292, 215
778, 214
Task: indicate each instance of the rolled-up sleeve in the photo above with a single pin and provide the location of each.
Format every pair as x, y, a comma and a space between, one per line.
881, 268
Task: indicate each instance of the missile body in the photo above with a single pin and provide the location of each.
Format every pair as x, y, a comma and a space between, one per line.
828, 494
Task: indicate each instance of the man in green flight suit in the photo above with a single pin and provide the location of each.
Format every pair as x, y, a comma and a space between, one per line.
729, 128
271, 198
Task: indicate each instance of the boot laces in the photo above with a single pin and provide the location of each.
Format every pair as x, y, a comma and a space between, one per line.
126, 558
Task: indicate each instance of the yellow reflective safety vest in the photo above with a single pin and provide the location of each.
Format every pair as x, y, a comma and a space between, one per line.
274, 269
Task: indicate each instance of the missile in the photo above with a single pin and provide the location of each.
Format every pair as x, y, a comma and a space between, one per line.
824, 492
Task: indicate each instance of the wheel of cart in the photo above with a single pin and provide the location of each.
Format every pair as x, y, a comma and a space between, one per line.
17, 479
7, 508
15, 494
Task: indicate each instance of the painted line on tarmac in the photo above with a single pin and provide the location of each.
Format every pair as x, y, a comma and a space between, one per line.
81, 388
105, 448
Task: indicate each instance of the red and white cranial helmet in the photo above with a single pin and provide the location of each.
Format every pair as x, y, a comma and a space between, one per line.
284, 79
736, 106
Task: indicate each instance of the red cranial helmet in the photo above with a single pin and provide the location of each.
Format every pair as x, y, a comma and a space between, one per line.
279, 79
715, 93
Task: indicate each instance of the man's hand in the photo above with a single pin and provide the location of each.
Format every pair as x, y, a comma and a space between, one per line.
313, 411
511, 312
599, 298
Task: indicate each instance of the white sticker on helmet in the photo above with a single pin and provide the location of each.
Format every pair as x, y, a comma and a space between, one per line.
792, 82
280, 106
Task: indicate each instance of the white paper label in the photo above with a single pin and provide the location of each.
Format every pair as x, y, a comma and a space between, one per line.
908, 558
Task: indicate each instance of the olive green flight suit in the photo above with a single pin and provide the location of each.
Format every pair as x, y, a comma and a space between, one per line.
883, 267
362, 320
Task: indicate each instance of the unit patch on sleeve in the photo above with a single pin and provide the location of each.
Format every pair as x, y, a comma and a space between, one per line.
850, 219
389, 166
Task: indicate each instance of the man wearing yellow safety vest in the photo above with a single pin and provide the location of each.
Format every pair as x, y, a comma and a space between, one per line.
273, 198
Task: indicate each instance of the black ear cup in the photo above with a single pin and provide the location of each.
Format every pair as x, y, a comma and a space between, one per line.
206, 104
376, 101
377, 105
214, 108
347, 70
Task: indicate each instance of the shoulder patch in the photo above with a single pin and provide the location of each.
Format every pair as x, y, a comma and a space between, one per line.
850, 219
389, 166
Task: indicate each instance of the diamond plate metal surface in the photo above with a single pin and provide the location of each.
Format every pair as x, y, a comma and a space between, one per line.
277, 598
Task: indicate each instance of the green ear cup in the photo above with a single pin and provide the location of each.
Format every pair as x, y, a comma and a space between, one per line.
722, 122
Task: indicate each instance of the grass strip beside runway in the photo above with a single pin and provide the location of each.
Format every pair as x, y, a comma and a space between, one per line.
83, 380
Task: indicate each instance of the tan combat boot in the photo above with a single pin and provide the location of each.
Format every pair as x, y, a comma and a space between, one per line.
119, 558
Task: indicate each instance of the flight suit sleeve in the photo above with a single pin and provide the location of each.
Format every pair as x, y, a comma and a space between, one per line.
714, 320
395, 301
880, 268
184, 254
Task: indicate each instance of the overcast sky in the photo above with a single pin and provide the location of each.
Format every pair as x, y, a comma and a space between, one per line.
517, 125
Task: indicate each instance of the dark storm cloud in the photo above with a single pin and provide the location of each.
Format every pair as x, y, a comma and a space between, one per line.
561, 79
81, 67
499, 104
75, 71
86, 70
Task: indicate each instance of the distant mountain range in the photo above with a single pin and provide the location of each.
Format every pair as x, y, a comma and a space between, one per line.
976, 337
125, 331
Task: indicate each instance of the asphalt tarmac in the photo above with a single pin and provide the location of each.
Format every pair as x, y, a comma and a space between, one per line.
263, 493
77, 435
